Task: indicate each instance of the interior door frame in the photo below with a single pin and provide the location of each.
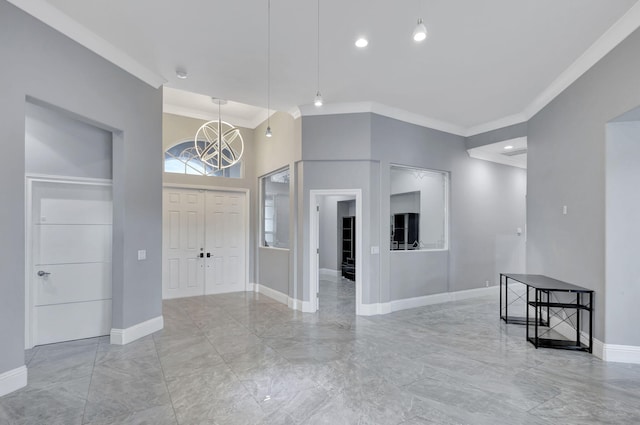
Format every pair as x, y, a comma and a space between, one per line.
30, 179
314, 233
247, 220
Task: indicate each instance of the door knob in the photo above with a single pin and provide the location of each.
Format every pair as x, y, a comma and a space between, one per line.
42, 273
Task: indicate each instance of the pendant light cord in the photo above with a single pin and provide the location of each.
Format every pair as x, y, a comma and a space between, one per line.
268, 63
318, 49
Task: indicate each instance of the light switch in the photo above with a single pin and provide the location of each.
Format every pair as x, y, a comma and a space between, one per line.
375, 250
564, 209
142, 254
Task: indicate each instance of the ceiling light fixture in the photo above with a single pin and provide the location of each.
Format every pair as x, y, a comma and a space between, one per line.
268, 133
218, 143
318, 100
420, 31
181, 73
362, 42
508, 147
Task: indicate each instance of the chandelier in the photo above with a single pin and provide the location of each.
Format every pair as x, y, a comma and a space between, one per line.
218, 143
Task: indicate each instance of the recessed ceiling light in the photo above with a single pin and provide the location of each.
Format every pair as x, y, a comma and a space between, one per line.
362, 42
181, 73
508, 147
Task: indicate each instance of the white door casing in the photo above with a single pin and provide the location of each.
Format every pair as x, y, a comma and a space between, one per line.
204, 242
69, 240
314, 233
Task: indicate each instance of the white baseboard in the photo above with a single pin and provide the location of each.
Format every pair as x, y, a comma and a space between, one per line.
251, 287
272, 293
13, 380
621, 353
407, 303
292, 303
125, 336
330, 272
375, 309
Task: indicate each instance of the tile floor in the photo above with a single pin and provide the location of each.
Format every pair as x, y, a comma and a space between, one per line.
245, 359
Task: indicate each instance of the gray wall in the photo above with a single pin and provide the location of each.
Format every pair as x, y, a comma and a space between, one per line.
566, 155
274, 268
329, 174
623, 233
56, 144
43, 64
486, 200
498, 135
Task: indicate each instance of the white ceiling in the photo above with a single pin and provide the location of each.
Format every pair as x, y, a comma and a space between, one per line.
200, 106
485, 64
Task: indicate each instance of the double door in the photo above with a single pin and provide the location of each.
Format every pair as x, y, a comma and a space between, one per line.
204, 242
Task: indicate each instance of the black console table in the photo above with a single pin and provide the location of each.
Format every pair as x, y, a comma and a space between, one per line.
545, 304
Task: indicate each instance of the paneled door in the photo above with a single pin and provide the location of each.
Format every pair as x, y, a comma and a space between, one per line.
225, 240
70, 263
183, 243
204, 242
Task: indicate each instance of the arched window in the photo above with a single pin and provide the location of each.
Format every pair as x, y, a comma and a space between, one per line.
183, 159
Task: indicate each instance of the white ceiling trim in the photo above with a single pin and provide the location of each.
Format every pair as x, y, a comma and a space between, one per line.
494, 125
627, 24
202, 115
62, 23
496, 157
387, 111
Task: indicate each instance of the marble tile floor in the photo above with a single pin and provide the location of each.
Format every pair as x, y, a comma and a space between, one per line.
246, 359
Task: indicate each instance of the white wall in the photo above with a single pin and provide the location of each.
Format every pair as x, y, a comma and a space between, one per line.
623, 233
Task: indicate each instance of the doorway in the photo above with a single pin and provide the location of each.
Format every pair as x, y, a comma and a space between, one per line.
337, 255
204, 242
69, 240
331, 252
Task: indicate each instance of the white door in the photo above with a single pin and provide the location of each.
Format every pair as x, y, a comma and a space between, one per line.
183, 240
204, 242
70, 273
225, 242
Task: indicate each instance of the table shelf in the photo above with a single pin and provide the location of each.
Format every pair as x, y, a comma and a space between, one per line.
538, 314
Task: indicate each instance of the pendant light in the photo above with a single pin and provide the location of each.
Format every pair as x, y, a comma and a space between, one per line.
318, 100
420, 31
268, 132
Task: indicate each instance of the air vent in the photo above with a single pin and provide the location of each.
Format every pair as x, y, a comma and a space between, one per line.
515, 152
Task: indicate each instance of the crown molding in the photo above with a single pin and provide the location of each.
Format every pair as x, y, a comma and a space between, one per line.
608, 41
387, 111
496, 157
62, 23
627, 24
169, 108
495, 125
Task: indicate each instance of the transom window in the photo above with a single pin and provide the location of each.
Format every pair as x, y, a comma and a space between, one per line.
183, 159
